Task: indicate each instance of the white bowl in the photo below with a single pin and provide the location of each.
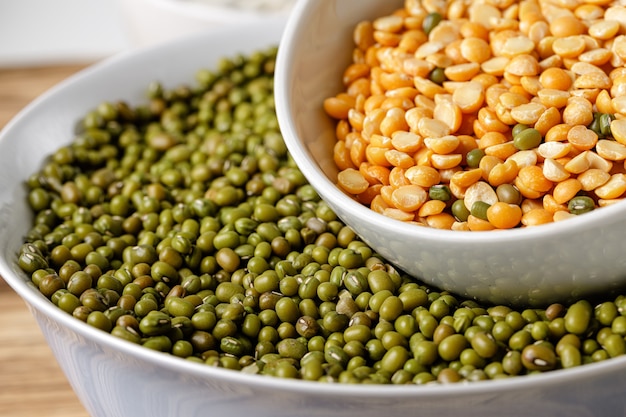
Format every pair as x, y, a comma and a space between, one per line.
533, 266
115, 378
149, 22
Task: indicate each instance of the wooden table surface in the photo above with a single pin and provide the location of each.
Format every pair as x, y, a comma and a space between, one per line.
31, 382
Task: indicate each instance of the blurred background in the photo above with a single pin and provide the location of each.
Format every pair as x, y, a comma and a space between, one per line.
57, 32
44, 32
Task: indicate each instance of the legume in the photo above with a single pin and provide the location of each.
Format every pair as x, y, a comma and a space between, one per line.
240, 265
535, 89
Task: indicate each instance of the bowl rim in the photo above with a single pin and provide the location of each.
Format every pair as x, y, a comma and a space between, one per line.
331, 191
19, 283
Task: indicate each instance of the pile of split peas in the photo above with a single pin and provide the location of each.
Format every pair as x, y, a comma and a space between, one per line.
487, 114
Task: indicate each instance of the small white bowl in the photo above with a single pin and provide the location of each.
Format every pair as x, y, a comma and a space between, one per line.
532, 266
115, 378
149, 22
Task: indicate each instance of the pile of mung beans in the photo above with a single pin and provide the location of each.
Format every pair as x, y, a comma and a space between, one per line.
183, 225
486, 114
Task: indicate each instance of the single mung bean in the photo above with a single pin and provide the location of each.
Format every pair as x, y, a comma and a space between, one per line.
379, 280
79, 282
614, 345
508, 193
618, 325
68, 302
287, 310
580, 205
578, 317
479, 209
450, 347
413, 298
350, 259
126, 333
448, 375
570, 356
605, 313
405, 325
155, 323
512, 362
327, 291
557, 327
439, 192
554, 311
460, 211
473, 157
394, 359
536, 357
540, 330
437, 75
391, 308
431, 21
392, 338
518, 128
529, 138
335, 355
427, 324
100, 321
439, 308
520, 339
307, 326
494, 370
484, 344
335, 322
291, 348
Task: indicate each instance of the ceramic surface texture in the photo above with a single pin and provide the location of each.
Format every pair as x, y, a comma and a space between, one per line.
532, 266
115, 378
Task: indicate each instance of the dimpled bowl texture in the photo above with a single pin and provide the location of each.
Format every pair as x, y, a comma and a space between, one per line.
115, 378
531, 266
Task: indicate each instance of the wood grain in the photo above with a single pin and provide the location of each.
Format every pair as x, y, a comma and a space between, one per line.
31, 382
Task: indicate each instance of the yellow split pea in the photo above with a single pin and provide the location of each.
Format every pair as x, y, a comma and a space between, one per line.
485, 115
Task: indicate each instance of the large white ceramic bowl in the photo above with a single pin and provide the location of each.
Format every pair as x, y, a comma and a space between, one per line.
115, 378
538, 265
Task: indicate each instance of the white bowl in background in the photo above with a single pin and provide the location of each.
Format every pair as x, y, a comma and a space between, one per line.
115, 378
148, 22
531, 266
